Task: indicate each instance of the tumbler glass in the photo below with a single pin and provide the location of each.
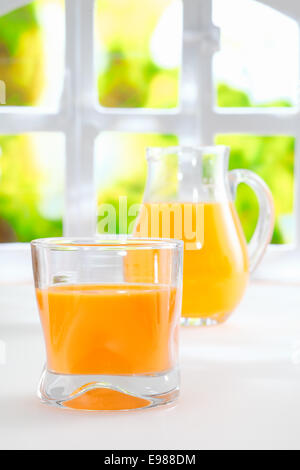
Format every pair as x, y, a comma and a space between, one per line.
110, 311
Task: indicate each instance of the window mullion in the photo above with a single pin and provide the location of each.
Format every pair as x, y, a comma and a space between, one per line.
88, 97
6, 6
287, 7
19, 120
297, 179
200, 40
80, 207
297, 193
146, 122
256, 122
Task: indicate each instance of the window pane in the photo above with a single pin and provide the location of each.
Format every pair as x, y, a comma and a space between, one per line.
32, 54
31, 186
273, 159
258, 64
138, 52
121, 169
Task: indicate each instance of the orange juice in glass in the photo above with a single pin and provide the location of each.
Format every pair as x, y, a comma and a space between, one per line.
111, 344
189, 196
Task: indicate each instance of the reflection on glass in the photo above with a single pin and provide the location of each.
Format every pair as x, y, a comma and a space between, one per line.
32, 53
138, 52
272, 158
31, 186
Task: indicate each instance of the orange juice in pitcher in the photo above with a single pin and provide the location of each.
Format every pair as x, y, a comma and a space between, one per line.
189, 196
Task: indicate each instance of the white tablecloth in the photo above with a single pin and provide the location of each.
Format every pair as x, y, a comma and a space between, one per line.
240, 384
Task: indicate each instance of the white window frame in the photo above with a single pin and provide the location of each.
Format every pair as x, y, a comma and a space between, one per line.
81, 118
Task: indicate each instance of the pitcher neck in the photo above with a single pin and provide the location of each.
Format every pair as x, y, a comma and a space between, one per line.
187, 174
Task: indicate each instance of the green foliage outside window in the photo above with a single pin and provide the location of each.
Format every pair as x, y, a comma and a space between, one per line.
21, 56
126, 79
271, 157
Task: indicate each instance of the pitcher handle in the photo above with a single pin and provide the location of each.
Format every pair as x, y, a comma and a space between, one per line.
266, 221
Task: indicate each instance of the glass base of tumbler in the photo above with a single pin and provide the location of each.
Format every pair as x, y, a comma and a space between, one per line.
108, 392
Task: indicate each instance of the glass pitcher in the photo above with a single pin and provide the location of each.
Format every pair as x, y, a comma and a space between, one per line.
190, 195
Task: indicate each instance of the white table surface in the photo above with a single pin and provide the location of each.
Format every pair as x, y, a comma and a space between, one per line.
240, 384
